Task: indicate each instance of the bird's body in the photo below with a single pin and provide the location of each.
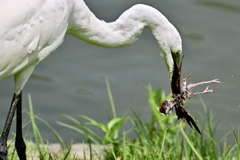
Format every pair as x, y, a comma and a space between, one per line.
32, 29
30, 32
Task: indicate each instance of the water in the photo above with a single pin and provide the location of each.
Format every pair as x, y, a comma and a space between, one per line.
71, 81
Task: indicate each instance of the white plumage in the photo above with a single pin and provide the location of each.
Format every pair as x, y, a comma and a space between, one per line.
32, 29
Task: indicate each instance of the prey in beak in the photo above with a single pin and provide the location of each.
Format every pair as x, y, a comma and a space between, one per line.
181, 92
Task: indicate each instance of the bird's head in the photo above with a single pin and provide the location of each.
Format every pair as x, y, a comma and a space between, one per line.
170, 44
172, 55
167, 106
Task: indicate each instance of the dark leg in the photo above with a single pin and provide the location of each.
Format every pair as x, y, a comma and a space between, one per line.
7, 126
19, 143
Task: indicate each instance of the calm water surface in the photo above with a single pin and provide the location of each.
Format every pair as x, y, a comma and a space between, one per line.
71, 80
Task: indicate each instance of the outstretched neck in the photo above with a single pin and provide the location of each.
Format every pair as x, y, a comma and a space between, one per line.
124, 31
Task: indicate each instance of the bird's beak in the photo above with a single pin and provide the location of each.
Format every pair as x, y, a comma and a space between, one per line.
176, 61
176, 75
173, 62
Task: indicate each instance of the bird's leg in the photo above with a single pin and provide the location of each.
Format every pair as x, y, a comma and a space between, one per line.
207, 90
19, 143
191, 86
6, 129
20, 80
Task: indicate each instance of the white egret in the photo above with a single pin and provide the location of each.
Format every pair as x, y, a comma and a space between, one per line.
32, 29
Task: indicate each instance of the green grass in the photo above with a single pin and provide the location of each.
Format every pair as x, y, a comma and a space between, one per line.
162, 137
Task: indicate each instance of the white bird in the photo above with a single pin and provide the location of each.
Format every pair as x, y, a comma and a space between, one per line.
32, 29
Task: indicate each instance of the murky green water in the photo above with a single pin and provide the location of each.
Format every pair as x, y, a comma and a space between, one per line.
71, 80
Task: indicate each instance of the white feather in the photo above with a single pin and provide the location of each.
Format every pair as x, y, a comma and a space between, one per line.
32, 29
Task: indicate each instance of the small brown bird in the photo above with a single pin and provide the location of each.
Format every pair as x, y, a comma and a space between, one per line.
181, 92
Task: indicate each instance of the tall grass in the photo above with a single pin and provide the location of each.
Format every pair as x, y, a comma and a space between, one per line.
162, 137
37, 147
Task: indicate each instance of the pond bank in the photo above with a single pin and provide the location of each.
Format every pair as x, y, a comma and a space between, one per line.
78, 151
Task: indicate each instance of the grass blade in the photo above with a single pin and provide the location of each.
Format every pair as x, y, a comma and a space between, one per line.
111, 99
190, 143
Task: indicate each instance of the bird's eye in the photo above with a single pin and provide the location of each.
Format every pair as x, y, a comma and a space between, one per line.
177, 52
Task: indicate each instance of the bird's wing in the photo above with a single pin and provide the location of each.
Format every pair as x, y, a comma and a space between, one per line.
29, 31
183, 114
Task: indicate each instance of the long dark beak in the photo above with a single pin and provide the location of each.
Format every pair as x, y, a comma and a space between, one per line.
176, 76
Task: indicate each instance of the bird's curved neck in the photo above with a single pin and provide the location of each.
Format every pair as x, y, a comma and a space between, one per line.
124, 31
